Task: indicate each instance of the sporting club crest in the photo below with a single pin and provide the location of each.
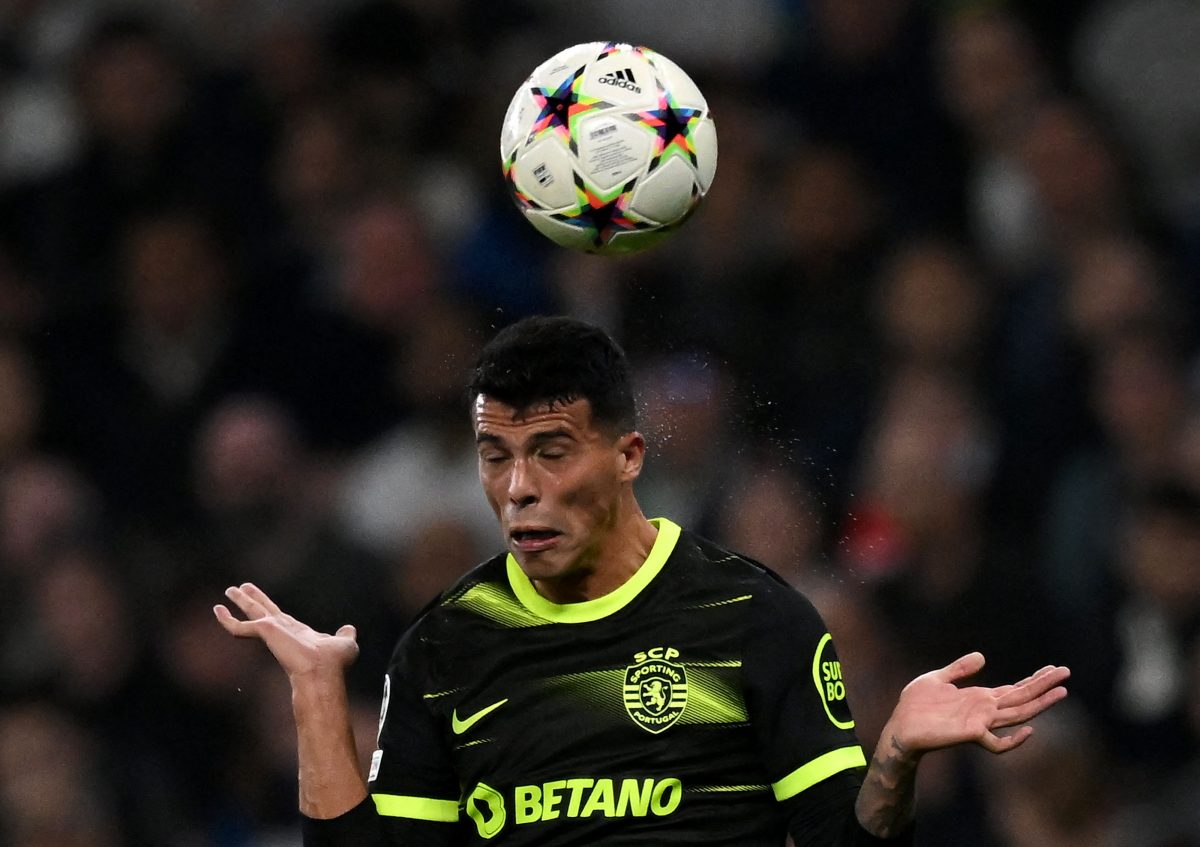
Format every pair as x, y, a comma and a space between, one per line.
656, 689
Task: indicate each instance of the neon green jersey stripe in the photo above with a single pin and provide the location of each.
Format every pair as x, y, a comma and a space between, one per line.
822, 767
586, 611
417, 808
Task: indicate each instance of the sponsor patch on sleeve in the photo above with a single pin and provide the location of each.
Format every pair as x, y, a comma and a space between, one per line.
831, 687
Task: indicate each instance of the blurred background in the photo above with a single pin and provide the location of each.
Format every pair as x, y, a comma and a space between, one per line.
928, 349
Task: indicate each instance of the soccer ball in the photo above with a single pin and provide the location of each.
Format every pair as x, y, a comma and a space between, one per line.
608, 147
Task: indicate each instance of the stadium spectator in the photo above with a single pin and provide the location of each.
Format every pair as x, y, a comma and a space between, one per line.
1060, 795
423, 471
1154, 628
141, 370
932, 309
920, 533
1158, 113
48, 760
266, 508
818, 281
991, 78
1139, 397
686, 402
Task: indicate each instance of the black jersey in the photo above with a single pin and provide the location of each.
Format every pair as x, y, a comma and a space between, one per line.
694, 704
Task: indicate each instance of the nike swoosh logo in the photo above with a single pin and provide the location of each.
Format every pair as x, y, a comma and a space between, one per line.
461, 726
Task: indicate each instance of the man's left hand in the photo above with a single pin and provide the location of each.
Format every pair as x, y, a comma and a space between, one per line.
934, 711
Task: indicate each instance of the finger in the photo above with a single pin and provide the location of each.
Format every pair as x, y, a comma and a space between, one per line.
961, 668
251, 600
1035, 687
1028, 688
1003, 743
348, 631
1031, 677
249, 607
232, 625
1002, 690
260, 597
1019, 714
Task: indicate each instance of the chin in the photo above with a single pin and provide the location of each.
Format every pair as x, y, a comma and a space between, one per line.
543, 565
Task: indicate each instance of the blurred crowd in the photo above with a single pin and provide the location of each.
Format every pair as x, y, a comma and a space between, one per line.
928, 349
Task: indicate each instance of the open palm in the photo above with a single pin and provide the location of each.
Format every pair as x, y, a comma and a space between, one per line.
297, 647
934, 711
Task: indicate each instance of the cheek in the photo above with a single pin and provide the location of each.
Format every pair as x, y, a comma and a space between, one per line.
493, 489
587, 494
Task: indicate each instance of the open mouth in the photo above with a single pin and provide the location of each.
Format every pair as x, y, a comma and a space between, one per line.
534, 539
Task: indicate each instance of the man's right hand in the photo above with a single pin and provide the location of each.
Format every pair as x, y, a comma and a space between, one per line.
331, 779
300, 650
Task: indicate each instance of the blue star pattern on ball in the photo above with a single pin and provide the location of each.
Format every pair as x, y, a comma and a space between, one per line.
560, 107
672, 128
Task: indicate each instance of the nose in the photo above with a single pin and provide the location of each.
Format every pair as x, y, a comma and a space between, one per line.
522, 488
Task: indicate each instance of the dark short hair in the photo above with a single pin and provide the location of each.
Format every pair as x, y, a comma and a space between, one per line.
547, 360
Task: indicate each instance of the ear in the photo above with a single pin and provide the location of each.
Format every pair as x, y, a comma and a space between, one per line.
631, 452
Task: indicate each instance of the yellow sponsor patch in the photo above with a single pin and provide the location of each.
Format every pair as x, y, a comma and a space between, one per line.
831, 687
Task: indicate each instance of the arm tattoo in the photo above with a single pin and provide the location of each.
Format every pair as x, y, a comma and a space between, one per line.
887, 800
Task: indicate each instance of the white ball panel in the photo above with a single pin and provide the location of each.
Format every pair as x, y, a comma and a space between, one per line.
665, 194
552, 72
704, 138
517, 120
577, 238
687, 95
611, 150
544, 172
634, 240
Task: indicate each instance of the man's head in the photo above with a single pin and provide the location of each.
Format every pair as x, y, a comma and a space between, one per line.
554, 360
554, 417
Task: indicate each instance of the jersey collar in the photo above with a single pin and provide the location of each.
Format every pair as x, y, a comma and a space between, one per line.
600, 607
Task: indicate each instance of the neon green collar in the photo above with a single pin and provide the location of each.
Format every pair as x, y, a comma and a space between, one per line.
600, 607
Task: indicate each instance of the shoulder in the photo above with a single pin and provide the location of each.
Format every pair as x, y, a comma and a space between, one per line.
717, 563
773, 600
471, 592
487, 579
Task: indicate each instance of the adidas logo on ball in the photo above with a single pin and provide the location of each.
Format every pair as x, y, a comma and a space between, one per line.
622, 79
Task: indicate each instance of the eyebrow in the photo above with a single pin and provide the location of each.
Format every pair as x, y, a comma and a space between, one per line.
536, 438
551, 434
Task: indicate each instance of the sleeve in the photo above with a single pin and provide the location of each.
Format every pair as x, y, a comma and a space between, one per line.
796, 697
824, 817
414, 792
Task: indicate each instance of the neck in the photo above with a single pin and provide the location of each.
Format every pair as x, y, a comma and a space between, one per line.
616, 558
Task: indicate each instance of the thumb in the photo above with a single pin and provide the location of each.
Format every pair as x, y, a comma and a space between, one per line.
963, 667
347, 631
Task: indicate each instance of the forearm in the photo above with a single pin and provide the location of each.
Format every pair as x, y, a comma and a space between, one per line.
886, 804
824, 817
331, 781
